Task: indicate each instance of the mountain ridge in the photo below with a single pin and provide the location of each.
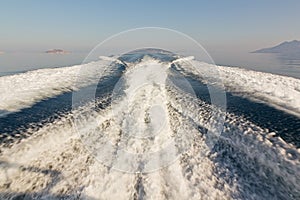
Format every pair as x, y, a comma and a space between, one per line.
284, 48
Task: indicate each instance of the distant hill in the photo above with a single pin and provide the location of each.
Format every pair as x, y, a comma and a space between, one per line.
57, 51
291, 47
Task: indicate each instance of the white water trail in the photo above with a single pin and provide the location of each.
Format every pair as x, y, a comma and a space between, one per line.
23, 90
255, 157
279, 91
58, 161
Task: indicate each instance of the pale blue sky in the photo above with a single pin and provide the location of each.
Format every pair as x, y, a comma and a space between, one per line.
80, 25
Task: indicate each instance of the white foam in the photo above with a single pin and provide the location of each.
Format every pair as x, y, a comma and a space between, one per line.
279, 91
54, 162
23, 90
252, 147
140, 114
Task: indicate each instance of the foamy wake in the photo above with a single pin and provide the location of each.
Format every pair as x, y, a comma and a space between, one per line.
279, 91
56, 161
23, 90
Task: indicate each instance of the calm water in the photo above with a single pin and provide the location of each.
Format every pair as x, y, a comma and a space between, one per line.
274, 63
287, 65
11, 63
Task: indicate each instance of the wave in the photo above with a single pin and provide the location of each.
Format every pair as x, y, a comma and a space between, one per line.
245, 156
65, 158
279, 91
23, 90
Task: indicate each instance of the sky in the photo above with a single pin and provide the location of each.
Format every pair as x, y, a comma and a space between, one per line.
35, 25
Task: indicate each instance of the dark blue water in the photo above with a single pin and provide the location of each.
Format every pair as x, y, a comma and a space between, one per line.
48, 110
285, 125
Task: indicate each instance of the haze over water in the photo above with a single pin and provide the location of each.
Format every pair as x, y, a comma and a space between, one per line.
11, 63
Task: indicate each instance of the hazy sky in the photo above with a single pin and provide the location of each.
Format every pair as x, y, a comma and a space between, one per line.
80, 25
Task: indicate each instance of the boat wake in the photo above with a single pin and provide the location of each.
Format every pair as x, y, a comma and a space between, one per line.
151, 138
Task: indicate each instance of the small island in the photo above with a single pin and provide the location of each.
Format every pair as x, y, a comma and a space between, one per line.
2, 52
57, 51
